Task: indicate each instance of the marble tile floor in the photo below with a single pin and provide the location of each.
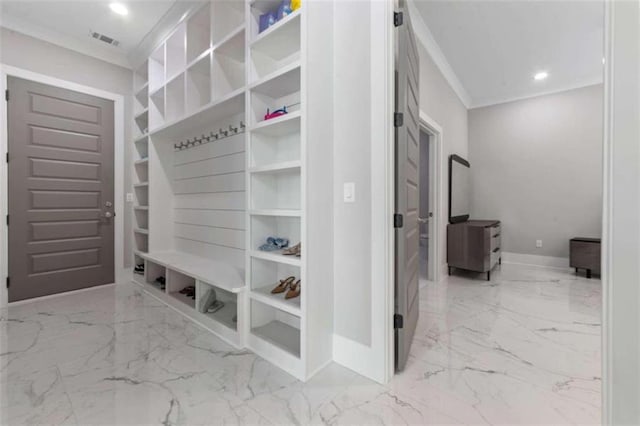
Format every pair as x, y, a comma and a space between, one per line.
523, 348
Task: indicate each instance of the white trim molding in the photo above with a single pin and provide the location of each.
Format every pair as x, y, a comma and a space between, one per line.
621, 210
438, 205
429, 43
120, 274
535, 260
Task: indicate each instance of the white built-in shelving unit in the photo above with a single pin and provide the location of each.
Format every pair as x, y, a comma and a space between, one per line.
201, 212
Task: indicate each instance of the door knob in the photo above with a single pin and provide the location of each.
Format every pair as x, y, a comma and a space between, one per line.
423, 220
108, 215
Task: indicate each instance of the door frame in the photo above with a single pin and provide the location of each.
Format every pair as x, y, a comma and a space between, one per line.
436, 168
118, 166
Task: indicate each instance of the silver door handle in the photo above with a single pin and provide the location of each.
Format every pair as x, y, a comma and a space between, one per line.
423, 220
108, 215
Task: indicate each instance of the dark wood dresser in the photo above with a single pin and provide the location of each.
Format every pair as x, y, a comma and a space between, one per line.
474, 245
584, 253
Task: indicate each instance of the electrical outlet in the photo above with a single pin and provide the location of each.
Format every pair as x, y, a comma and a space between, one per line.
538, 243
129, 197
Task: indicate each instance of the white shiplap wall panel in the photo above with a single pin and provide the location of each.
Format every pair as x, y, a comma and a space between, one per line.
212, 166
209, 187
232, 238
229, 219
231, 145
213, 201
233, 256
202, 185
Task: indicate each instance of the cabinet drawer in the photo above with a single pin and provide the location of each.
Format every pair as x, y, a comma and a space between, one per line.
496, 239
494, 257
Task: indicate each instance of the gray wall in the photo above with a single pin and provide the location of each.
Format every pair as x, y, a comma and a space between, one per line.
440, 102
536, 166
31, 54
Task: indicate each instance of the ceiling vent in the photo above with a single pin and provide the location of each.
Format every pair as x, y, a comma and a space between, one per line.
104, 38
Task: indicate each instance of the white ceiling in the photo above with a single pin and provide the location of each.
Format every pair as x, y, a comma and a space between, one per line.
69, 22
495, 47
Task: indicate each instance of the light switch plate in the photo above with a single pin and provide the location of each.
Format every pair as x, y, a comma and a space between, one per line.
349, 190
538, 243
129, 197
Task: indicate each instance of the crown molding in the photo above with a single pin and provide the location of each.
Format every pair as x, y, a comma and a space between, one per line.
88, 48
429, 42
497, 101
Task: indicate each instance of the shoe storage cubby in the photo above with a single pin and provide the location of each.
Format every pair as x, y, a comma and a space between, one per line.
142, 147
276, 327
275, 92
228, 65
141, 100
142, 169
198, 34
213, 179
199, 84
152, 272
142, 217
227, 17
265, 226
276, 47
141, 191
266, 275
227, 314
175, 101
156, 108
177, 282
141, 241
276, 190
156, 69
276, 141
176, 53
142, 122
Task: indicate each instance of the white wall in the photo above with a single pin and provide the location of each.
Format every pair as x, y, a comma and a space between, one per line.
35, 55
352, 163
536, 165
440, 102
363, 154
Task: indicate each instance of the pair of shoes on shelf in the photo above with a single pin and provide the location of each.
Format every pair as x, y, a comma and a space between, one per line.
210, 303
162, 281
290, 285
293, 251
274, 243
189, 291
139, 269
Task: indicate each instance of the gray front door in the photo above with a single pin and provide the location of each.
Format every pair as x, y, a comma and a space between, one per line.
61, 230
407, 162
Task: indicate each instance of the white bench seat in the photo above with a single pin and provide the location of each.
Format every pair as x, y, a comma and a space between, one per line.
214, 272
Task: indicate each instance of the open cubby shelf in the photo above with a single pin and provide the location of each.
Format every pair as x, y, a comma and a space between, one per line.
276, 47
276, 326
181, 270
201, 213
198, 84
198, 33
227, 16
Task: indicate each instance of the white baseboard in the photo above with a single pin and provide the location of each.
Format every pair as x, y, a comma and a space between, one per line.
535, 260
357, 357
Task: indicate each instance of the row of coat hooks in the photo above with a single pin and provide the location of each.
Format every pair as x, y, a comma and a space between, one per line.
212, 137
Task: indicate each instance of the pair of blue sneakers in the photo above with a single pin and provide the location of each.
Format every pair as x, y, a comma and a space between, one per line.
274, 243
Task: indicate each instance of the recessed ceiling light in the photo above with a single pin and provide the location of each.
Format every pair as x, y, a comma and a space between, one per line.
541, 75
119, 8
